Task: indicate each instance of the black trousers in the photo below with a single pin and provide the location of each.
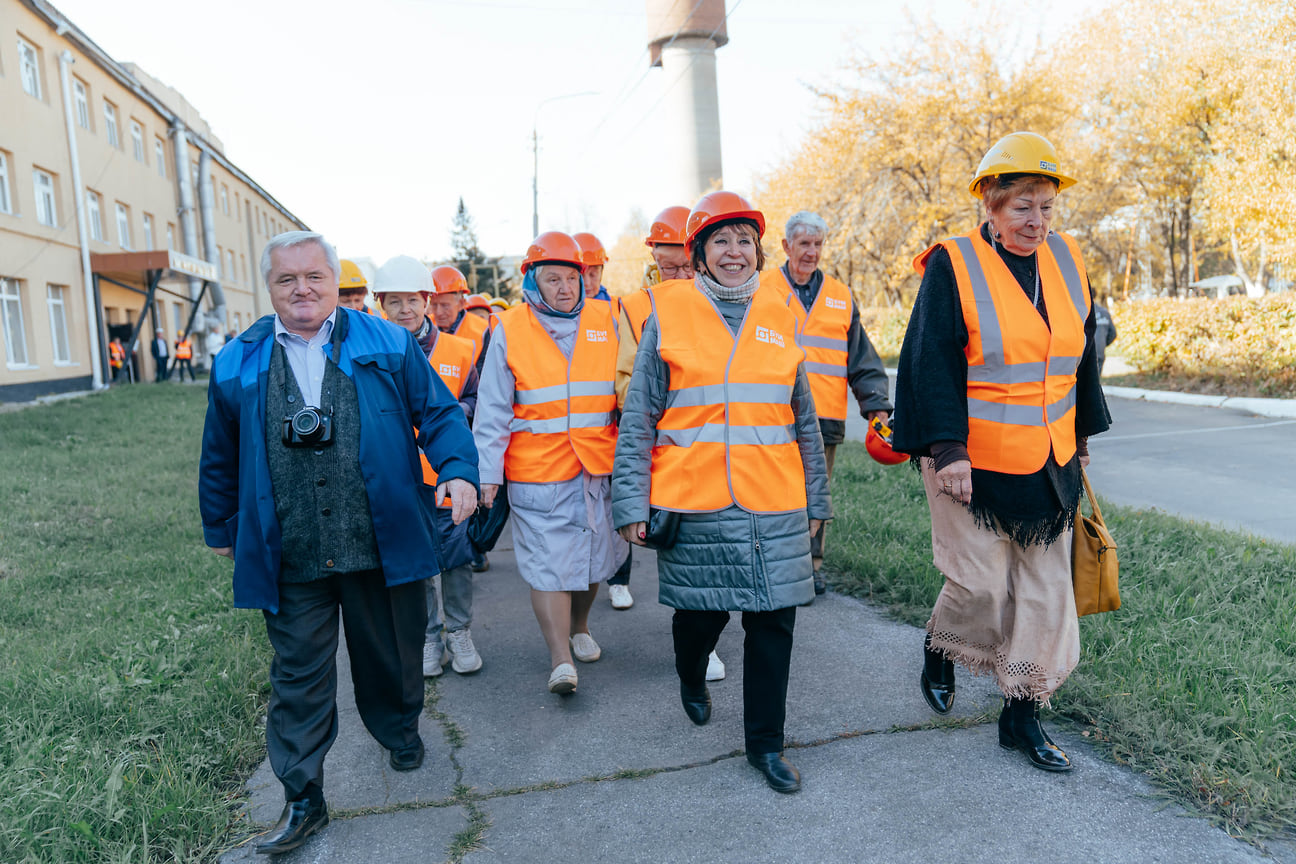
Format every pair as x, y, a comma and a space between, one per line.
767, 655
384, 636
182, 365
622, 574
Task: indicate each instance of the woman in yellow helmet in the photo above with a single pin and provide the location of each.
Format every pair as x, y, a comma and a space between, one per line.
997, 393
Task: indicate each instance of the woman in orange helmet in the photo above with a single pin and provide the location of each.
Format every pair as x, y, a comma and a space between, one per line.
719, 428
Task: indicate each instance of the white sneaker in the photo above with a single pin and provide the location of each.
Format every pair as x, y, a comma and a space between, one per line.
715, 668
563, 679
620, 595
434, 658
584, 648
464, 658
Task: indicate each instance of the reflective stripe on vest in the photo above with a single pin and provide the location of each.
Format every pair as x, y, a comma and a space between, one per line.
727, 434
1021, 382
471, 327
563, 410
822, 333
451, 359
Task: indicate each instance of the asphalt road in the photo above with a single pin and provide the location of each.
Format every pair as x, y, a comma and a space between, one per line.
1212, 465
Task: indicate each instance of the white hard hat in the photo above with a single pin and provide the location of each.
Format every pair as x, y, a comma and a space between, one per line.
403, 275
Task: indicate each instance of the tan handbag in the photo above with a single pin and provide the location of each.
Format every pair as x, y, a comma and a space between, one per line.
1094, 568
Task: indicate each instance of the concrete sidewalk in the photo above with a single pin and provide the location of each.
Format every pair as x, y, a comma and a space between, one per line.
616, 772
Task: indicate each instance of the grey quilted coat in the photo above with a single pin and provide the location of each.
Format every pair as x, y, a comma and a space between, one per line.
730, 560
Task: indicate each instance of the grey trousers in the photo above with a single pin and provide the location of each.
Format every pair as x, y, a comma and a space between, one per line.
819, 538
449, 601
385, 643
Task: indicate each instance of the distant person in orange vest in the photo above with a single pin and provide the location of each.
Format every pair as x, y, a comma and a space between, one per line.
449, 307
184, 356
402, 287
719, 427
997, 393
353, 287
546, 424
116, 356
839, 355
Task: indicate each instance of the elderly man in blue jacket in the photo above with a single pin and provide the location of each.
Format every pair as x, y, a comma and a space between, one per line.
310, 481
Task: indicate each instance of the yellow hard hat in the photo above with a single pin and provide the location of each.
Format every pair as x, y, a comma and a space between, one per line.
1020, 153
351, 278
499, 303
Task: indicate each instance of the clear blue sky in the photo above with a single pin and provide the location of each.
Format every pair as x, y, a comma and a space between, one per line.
370, 119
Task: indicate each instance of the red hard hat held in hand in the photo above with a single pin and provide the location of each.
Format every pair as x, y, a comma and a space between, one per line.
878, 442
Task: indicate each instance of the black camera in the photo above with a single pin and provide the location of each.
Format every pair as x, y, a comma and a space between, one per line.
309, 427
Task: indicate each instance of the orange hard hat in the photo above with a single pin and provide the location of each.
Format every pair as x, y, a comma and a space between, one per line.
721, 206
592, 252
553, 247
668, 227
448, 280
478, 301
878, 442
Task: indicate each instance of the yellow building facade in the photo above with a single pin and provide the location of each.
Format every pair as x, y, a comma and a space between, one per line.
91, 179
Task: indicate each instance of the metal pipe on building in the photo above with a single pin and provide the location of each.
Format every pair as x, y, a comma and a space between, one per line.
207, 207
184, 183
255, 253
93, 323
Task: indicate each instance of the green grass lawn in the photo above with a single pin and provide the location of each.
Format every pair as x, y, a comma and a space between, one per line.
1192, 681
130, 690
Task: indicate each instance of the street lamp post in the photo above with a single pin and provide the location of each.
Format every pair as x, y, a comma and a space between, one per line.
535, 156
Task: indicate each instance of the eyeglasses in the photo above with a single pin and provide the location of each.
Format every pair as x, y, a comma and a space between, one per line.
672, 272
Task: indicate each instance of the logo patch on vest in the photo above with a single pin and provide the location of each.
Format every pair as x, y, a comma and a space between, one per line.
596, 336
765, 334
448, 369
836, 304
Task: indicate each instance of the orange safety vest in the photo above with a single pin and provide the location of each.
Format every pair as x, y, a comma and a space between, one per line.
451, 359
822, 332
562, 408
637, 306
184, 350
116, 355
471, 327
1021, 379
727, 435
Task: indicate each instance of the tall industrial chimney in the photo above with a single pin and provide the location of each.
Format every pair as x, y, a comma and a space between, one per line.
683, 36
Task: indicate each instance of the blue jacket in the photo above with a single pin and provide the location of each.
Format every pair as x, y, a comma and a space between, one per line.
397, 390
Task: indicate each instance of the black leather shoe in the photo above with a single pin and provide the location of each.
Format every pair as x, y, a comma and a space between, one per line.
820, 585
937, 680
408, 758
299, 820
1020, 729
697, 702
779, 773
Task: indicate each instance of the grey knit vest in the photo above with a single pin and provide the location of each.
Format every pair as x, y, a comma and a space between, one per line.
319, 493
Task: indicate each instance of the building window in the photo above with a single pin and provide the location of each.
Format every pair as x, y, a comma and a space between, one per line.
29, 68
58, 324
148, 231
94, 215
170, 236
11, 317
238, 323
137, 140
123, 226
220, 263
177, 316
230, 273
110, 124
82, 98
6, 203
243, 267
46, 209
225, 199
159, 156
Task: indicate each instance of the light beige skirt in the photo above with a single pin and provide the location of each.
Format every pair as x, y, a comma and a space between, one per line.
1005, 609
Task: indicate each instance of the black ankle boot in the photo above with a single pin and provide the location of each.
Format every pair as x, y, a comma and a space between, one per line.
1020, 729
937, 680
696, 700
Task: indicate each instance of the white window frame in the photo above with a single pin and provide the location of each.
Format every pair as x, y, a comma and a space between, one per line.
11, 307
177, 316
137, 140
29, 69
123, 226
46, 200
55, 298
110, 125
81, 94
170, 237
230, 273
94, 215
6, 199
148, 231
159, 153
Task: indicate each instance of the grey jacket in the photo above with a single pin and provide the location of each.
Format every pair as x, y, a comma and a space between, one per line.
729, 560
